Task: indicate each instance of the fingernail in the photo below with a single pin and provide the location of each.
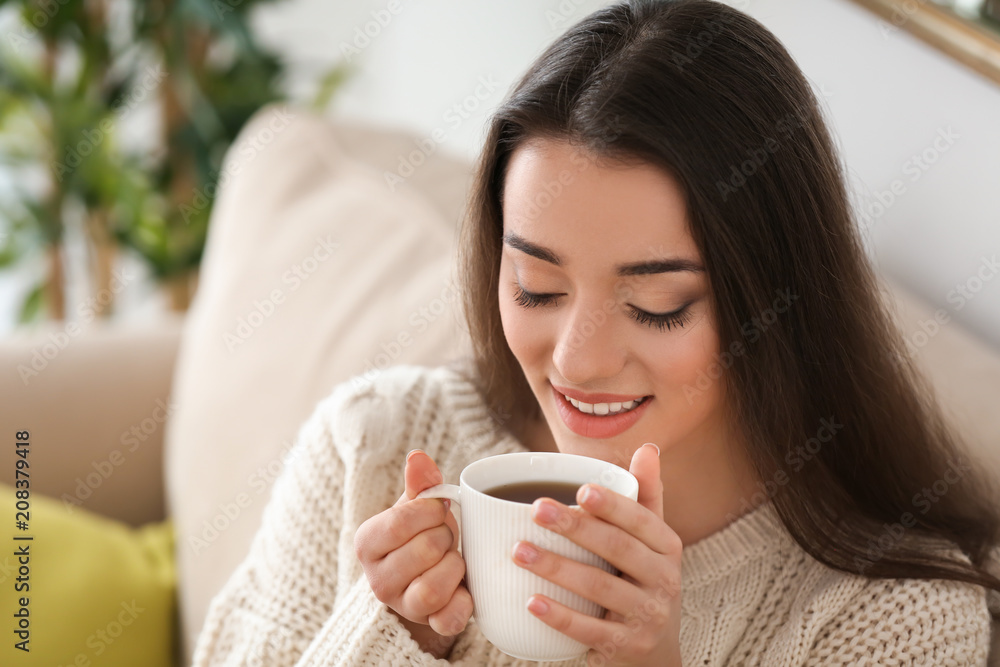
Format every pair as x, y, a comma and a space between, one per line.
537, 606
447, 504
590, 494
653, 444
546, 512
526, 553
409, 457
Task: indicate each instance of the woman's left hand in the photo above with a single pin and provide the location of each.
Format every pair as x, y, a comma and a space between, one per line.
642, 622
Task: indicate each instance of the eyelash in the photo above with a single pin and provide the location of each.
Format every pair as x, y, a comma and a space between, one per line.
657, 321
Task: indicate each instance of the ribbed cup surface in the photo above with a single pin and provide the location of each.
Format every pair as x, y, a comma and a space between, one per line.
500, 589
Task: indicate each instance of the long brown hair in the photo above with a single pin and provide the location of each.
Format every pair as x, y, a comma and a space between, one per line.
712, 97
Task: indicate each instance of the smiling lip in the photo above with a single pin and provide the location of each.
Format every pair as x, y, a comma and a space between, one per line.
596, 398
595, 426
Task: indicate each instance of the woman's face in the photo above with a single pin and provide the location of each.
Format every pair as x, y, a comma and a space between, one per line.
604, 299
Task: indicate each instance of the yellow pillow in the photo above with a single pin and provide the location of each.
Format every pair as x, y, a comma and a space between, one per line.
91, 591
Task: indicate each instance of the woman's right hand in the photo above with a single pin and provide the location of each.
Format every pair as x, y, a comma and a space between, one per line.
410, 556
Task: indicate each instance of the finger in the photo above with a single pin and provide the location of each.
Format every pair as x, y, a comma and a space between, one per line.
431, 590
421, 473
391, 576
588, 630
452, 523
641, 522
609, 541
390, 530
645, 467
455, 615
423, 552
590, 582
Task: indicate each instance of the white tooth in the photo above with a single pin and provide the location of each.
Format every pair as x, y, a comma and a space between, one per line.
604, 408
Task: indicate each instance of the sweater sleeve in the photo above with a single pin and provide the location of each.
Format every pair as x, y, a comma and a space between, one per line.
300, 597
908, 622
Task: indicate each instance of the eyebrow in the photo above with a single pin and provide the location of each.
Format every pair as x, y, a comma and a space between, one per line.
675, 264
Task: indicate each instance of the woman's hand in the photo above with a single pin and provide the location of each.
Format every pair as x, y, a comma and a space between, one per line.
642, 622
410, 556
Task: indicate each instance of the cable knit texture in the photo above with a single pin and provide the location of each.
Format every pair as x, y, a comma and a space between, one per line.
750, 594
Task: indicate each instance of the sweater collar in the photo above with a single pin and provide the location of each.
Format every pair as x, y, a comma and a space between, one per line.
748, 538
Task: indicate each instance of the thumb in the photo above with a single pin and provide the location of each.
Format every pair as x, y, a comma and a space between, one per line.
421, 473
646, 468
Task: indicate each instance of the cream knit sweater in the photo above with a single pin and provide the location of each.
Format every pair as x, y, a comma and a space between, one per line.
750, 595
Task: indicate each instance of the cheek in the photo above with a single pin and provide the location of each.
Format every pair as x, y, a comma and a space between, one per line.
688, 366
529, 331
521, 337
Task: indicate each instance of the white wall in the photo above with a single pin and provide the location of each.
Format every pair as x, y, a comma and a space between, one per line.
893, 97
888, 96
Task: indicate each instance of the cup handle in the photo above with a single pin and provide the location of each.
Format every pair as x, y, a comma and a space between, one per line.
449, 491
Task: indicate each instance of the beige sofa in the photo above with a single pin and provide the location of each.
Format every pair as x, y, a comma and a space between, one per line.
293, 299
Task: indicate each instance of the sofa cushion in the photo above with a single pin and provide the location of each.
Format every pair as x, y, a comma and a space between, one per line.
98, 592
295, 297
963, 370
111, 381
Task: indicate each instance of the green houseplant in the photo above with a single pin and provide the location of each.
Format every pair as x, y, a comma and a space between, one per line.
72, 73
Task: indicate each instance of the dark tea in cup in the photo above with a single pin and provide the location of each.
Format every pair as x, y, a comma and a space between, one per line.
529, 492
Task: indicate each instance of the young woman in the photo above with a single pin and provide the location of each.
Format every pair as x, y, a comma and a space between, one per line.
660, 250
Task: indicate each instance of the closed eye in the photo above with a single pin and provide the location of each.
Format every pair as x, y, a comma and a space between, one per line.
527, 299
658, 321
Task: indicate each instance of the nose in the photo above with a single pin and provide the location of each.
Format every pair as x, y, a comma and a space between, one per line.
588, 349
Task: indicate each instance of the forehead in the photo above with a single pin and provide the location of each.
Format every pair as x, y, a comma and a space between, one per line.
565, 198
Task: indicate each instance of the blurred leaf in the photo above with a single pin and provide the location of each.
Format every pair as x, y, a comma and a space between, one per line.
31, 307
8, 257
329, 83
238, 91
22, 78
9, 247
23, 230
52, 19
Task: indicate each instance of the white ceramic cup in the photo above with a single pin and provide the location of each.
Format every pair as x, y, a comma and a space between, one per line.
489, 529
